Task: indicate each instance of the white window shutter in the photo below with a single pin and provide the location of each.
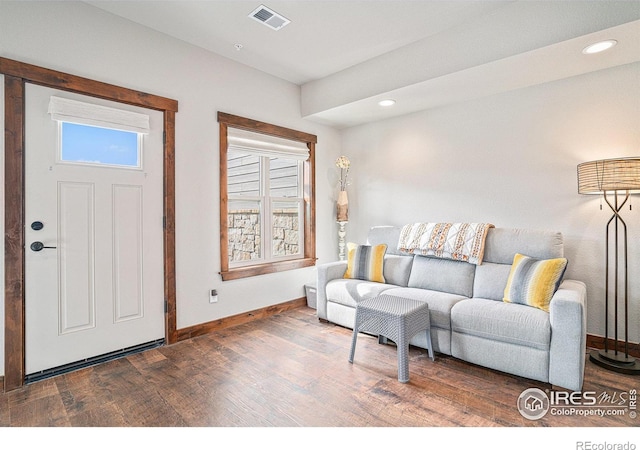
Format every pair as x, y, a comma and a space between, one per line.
73, 111
264, 145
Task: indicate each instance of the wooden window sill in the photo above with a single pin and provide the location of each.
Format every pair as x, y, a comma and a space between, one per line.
263, 269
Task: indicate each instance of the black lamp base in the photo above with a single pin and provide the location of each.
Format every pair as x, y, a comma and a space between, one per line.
618, 362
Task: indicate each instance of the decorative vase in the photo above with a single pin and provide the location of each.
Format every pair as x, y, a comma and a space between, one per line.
343, 207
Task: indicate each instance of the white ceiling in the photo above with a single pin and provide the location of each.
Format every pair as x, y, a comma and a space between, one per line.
348, 54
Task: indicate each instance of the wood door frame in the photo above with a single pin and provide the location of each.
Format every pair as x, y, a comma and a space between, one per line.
16, 75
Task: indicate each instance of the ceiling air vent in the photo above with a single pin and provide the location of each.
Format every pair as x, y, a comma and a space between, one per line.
269, 17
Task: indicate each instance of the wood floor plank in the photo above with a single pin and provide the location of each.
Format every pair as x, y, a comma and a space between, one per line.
5, 420
291, 370
106, 414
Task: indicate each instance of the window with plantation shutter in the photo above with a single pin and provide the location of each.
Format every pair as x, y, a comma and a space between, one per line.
267, 193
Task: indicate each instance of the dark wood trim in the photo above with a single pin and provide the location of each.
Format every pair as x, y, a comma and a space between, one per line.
310, 204
14, 92
309, 257
597, 342
72, 83
263, 269
265, 128
16, 74
171, 316
239, 319
224, 216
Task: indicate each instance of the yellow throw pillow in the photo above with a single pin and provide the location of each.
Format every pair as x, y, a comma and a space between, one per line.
533, 282
365, 262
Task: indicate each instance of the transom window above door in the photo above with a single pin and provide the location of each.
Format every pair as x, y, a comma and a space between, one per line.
85, 144
92, 134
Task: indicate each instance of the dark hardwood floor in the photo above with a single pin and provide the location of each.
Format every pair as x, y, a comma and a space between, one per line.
290, 370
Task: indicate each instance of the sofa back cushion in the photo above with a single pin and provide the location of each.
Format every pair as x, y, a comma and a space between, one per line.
501, 246
389, 235
490, 280
455, 277
397, 269
487, 280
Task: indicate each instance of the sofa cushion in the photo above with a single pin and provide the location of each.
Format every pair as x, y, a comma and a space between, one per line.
440, 303
349, 292
455, 277
365, 262
490, 280
397, 269
385, 234
533, 282
503, 243
505, 322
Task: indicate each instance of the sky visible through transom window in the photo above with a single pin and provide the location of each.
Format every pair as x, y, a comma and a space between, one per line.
87, 144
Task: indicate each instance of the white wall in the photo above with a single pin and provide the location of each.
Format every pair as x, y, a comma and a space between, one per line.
510, 160
85, 41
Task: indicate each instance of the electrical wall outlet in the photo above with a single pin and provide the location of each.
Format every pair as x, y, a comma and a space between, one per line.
213, 296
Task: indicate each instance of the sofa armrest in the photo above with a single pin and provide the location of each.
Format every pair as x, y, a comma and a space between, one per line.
568, 315
326, 273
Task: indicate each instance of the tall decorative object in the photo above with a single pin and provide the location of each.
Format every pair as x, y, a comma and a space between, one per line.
342, 204
615, 179
342, 232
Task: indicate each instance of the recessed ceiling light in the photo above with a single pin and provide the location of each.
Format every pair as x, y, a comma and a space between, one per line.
599, 47
387, 102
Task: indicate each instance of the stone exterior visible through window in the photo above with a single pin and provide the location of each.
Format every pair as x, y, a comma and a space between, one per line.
267, 198
265, 205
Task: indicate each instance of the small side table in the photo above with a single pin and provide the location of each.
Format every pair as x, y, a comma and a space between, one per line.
395, 318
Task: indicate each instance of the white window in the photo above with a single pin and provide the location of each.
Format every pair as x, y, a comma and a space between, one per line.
265, 199
86, 144
98, 135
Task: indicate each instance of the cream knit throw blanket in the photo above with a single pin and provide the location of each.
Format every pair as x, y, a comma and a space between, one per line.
457, 241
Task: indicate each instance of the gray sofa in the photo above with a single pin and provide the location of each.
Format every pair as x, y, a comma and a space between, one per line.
469, 320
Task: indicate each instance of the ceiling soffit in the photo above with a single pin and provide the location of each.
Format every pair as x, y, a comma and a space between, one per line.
519, 45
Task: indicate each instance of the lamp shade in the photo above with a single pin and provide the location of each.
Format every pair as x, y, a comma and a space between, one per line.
618, 174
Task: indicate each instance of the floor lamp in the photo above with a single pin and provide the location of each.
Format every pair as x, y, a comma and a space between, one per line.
615, 179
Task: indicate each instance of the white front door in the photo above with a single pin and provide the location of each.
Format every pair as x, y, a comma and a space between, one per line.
93, 242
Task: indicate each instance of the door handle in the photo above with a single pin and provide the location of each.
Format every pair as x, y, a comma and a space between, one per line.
37, 246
